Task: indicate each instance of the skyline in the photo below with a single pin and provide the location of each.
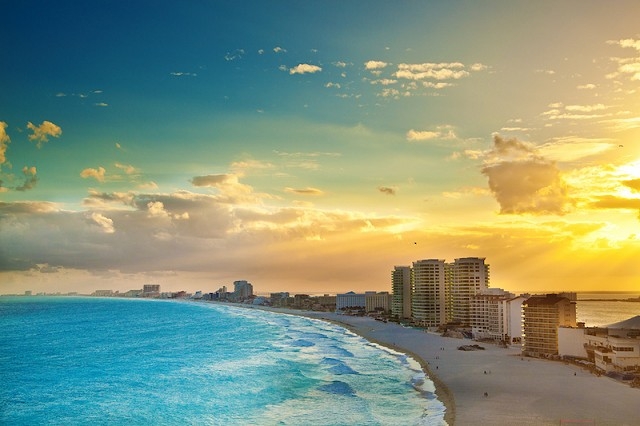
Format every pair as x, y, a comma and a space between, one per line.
311, 147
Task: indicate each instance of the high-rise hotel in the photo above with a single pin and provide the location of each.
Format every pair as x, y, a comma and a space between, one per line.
429, 285
401, 292
441, 292
469, 277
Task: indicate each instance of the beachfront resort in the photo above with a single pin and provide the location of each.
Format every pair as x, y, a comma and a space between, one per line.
456, 300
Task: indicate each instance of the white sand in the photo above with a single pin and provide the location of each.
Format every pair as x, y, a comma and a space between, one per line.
520, 391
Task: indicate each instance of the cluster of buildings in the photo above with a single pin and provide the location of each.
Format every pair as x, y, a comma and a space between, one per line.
455, 296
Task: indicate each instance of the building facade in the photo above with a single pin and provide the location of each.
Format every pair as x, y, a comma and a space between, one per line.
369, 301
242, 290
428, 305
542, 316
469, 276
490, 315
615, 347
401, 292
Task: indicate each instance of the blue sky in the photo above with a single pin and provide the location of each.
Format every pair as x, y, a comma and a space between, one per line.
306, 146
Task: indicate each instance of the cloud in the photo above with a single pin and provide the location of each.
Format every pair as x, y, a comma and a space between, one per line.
588, 86
627, 66
250, 164
305, 69
387, 190
4, 142
279, 49
30, 179
42, 132
186, 74
435, 71
632, 183
416, 135
615, 202
230, 56
572, 148
45, 268
230, 189
101, 104
105, 224
102, 199
374, 65
213, 180
304, 191
560, 111
522, 181
127, 168
97, 174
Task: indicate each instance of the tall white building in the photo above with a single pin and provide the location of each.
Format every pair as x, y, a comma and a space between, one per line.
469, 276
490, 317
429, 287
401, 292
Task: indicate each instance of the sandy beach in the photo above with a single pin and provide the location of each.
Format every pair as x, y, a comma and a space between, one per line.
497, 386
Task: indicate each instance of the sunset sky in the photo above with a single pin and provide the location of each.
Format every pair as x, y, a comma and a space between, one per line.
311, 146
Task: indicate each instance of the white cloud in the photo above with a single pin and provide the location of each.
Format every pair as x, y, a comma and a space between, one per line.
127, 168
305, 69
4, 141
279, 49
186, 74
588, 86
103, 222
416, 135
42, 132
374, 65
97, 174
304, 191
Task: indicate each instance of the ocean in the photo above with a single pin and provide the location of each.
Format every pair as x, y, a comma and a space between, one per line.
72, 361
604, 308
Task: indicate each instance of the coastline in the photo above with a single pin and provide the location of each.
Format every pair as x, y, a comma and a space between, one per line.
496, 386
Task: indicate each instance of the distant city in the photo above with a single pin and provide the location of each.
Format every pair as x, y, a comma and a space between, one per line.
454, 298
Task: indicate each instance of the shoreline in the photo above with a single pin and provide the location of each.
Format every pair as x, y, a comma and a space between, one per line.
497, 386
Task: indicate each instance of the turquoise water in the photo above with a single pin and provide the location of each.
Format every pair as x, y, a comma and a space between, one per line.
138, 362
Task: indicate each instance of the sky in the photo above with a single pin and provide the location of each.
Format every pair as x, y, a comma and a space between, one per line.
311, 146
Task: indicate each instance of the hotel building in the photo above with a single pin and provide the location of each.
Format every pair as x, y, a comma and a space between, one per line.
242, 290
542, 316
469, 276
369, 301
490, 315
401, 292
615, 347
429, 284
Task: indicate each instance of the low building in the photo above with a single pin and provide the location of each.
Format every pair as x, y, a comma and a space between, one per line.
324, 303
279, 300
350, 300
491, 315
615, 347
571, 342
368, 302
